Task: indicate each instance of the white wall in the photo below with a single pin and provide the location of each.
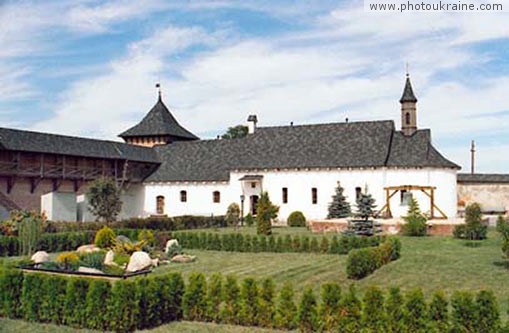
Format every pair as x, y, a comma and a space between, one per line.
59, 206
299, 184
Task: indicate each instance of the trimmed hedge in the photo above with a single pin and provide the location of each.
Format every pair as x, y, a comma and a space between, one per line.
127, 305
296, 219
362, 262
236, 242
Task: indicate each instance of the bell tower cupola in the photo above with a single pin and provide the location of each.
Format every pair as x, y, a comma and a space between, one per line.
408, 109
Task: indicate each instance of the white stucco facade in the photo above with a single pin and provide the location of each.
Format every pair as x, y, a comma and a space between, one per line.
299, 185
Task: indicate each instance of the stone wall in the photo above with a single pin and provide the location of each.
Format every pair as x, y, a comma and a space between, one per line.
492, 197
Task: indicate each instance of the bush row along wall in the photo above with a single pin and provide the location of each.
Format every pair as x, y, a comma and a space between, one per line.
153, 223
70, 241
236, 242
148, 302
363, 262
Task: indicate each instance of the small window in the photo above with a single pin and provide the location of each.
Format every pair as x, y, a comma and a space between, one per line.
358, 192
405, 197
314, 196
216, 197
407, 118
253, 185
285, 195
183, 196
160, 204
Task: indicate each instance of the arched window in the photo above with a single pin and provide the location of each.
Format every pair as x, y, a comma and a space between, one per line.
407, 118
160, 204
183, 196
216, 197
314, 196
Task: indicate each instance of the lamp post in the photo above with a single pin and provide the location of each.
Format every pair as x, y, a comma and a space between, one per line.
242, 197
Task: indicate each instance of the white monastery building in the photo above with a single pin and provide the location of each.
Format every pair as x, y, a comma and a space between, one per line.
164, 169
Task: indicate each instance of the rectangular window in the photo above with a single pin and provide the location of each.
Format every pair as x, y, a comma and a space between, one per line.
358, 192
183, 196
285, 195
253, 185
405, 197
314, 196
216, 197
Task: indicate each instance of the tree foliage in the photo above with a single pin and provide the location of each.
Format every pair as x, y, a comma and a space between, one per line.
266, 212
232, 214
235, 132
104, 199
415, 220
339, 207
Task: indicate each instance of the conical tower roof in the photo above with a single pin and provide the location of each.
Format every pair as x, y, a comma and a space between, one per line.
159, 122
408, 92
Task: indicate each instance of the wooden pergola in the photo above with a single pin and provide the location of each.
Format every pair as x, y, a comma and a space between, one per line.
390, 191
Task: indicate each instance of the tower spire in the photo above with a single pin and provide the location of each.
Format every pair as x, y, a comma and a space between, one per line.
408, 108
158, 86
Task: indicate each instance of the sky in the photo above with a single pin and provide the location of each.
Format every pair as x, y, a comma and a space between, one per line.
89, 68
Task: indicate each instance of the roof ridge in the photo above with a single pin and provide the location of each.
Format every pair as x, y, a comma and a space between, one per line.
326, 124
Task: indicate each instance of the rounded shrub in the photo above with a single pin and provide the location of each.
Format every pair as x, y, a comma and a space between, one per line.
105, 238
68, 260
296, 219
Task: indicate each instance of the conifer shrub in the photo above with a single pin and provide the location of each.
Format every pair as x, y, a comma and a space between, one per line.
266, 311
194, 303
231, 301
11, 285
247, 244
350, 312
279, 245
296, 219
415, 314
324, 245
52, 300
304, 244
255, 244
95, 311
329, 309
263, 244
214, 297
31, 296
463, 312
232, 216
313, 246
250, 220
339, 207
374, 316
249, 302
307, 315
473, 229
503, 230
286, 310
145, 300
334, 246
415, 221
488, 314
68, 260
394, 309
122, 307
296, 246
75, 302
266, 212
172, 290
287, 244
105, 238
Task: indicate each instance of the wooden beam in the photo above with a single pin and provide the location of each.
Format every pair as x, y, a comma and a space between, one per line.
432, 201
34, 182
56, 184
10, 184
77, 184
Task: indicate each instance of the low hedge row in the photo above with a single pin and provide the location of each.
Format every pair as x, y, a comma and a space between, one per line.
362, 262
148, 302
237, 242
70, 241
153, 223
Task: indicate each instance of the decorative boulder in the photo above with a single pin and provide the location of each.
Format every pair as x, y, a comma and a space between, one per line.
122, 239
170, 244
82, 269
183, 258
108, 258
39, 257
88, 248
155, 262
139, 261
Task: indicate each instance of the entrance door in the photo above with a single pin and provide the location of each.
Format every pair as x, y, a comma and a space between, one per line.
254, 204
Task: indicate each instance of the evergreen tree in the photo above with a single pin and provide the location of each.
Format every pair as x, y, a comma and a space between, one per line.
394, 309
463, 312
329, 309
362, 224
122, 306
266, 309
415, 220
249, 302
415, 318
374, 317
265, 213
214, 297
487, 314
194, 303
98, 293
324, 245
339, 207
308, 319
104, 199
286, 311
439, 313
350, 320
231, 301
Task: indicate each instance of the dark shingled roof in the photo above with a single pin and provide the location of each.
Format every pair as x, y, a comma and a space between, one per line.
483, 178
408, 92
28, 141
159, 121
354, 144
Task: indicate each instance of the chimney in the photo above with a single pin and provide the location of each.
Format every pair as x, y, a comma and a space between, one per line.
251, 123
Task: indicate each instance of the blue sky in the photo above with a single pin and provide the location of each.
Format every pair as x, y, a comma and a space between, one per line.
88, 68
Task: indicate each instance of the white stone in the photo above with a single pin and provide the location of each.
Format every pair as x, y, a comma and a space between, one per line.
392, 230
139, 260
183, 258
82, 269
39, 257
108, 258
155, 262
170, 243
88, 248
